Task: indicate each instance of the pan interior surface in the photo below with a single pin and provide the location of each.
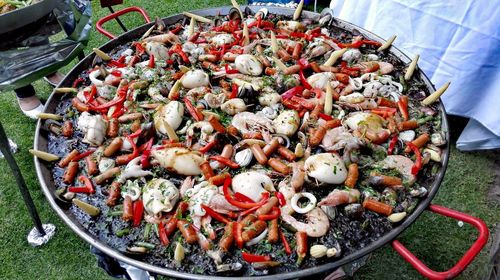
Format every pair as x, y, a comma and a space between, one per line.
48, 185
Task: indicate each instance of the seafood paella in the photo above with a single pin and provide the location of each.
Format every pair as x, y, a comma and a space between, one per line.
244, 144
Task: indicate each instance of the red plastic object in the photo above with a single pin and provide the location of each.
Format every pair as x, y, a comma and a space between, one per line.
114, 15
467, 258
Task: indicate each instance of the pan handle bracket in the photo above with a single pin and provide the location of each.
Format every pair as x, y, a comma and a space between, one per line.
466, 259
114, 15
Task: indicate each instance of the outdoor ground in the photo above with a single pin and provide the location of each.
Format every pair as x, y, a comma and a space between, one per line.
439, 241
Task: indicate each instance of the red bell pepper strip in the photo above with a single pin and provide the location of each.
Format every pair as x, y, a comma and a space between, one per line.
251, 258
138, 213
116, 73
215, 215
308, 37
290, 104
178, 50
232, 215
88, 184
237, 232
208, 146
261, 24
119, 110
163, 235
136, 133
275, 213
281, 198
266, 24
121, 59
234, 91
403, 106
145, 158
292, 92
139, 49
303, 80
83, 155
418, 161
304, 64
359, 43
122, 95
225, 161
240, 204
78, 190
392, 144
146, 153
325, 117
373, 43
114, 63
306, 103
194, 37
151, 63
288, 250
90, 96
344, 66
249, 211
241, 197
230, 71
177, 29
384, 111
77, 82
135, 151
197, 115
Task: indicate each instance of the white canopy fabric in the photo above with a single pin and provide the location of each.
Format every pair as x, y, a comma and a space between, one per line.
458, 41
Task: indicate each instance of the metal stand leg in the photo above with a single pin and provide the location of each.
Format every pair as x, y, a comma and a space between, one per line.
41, 233
118, 20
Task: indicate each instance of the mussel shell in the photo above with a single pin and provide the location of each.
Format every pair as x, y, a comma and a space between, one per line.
247, 12
326, 17
135, 252
148, 130
248, 94
229, 267
234, 14
262, 12
160, 24
218, 22
243, 157
96, 61
354, 211
330, 211
60, 200
203, 102
284, 140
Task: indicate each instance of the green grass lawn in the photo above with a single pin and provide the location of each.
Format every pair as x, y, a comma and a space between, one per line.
439, 241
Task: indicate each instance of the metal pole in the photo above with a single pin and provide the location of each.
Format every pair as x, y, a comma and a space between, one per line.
118, 20
5, 148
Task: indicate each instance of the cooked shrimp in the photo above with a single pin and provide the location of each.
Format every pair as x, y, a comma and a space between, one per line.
187, 184
247, 122
317, 222
164, 38
338, 138
339, 197
401, 164
219, 204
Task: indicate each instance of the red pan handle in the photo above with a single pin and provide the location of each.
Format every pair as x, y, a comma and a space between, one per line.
116, 14
467, 258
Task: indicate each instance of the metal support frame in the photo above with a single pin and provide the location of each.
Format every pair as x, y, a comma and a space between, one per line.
118, 20
43, 231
